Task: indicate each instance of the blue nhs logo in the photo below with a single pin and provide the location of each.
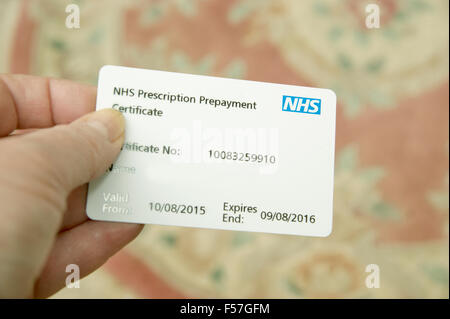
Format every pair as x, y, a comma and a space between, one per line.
301, 104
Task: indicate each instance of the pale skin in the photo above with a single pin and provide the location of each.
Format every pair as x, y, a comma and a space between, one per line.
51, 145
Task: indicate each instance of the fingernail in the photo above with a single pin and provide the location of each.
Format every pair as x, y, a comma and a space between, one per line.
110, 121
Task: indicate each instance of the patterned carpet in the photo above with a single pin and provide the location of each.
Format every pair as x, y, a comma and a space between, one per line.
392, 141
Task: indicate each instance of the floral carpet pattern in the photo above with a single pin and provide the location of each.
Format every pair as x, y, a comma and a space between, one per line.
391, 199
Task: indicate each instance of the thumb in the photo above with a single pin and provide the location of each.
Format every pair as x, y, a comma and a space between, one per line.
73, 154
37, 172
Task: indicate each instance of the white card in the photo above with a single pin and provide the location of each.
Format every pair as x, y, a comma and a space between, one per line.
219, 153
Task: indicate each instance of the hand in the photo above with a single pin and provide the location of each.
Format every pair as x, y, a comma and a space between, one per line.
44, 168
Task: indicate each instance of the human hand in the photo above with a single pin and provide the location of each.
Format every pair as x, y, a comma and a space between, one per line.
43, 176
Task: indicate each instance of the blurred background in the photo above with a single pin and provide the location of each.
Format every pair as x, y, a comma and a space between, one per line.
391, 198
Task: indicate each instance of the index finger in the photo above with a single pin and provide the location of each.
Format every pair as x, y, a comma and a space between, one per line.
35, 102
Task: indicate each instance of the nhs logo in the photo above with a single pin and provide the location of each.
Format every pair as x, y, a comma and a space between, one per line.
301, 104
